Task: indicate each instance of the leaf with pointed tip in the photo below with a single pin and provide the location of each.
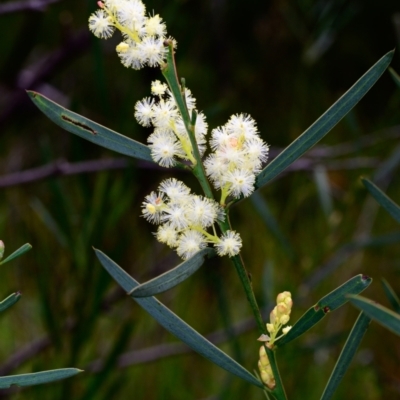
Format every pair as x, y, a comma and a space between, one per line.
23, 249
175, 325
388, 318
328, 303
9, 301
391, 295
324, 123
387, 203
173, 277
37, 378
347, 354
90, 130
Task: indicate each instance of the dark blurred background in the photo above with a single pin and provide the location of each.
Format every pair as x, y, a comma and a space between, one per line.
284, 62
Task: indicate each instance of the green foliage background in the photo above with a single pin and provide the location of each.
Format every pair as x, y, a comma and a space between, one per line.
265, 58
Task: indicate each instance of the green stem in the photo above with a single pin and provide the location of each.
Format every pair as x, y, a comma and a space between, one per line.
244, 277
279, 391
170, 73
171, 76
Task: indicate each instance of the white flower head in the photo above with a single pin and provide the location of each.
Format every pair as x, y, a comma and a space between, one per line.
242, 125
164, 148
130, 54
230, 244
155, 27
144, 111
101, 24
152, 207
167, 234
152, 50
176, 190
158, 88
190, 242
175, 215
202, 211
241, 182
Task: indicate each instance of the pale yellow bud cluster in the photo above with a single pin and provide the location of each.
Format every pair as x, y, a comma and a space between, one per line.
265, 369
280, 315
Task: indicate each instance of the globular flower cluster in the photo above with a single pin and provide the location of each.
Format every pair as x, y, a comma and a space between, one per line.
238, 155
184, 219
170, 140
279, 316
143, 36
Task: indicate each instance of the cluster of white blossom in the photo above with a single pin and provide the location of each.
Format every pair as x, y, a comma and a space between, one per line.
184, 219
143, 37
238, 155
169, 140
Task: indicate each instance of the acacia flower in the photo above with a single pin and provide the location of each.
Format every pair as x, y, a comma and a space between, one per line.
143, 36
190, 242
229, 244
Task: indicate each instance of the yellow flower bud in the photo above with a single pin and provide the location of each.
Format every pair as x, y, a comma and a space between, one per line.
263, 357
270, 328
282, 308
284, 319
283, 296
286, 329
122, 47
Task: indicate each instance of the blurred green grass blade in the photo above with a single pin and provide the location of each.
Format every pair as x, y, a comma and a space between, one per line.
347, 355
175, 325
328, 303
23, 249
324, 123
395, 76
90, 130
321, 180
37, 378
266, 215
388, 318
174, 276
48, 220
9, 301
387, 203
391, 295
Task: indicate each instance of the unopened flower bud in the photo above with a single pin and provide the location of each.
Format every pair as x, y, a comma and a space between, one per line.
272, 315
284, 319
270, 328
263, 357
122, 47
282, 296
286, 329
282, 308
1, 249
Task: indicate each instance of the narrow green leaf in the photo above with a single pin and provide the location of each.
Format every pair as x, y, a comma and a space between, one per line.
9, 301
37, 378
388, 318
388, 204
347, 354
173, 277
395, 76
90, 130
23, 249
329, 303
391, 295
324, 123
175, 325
